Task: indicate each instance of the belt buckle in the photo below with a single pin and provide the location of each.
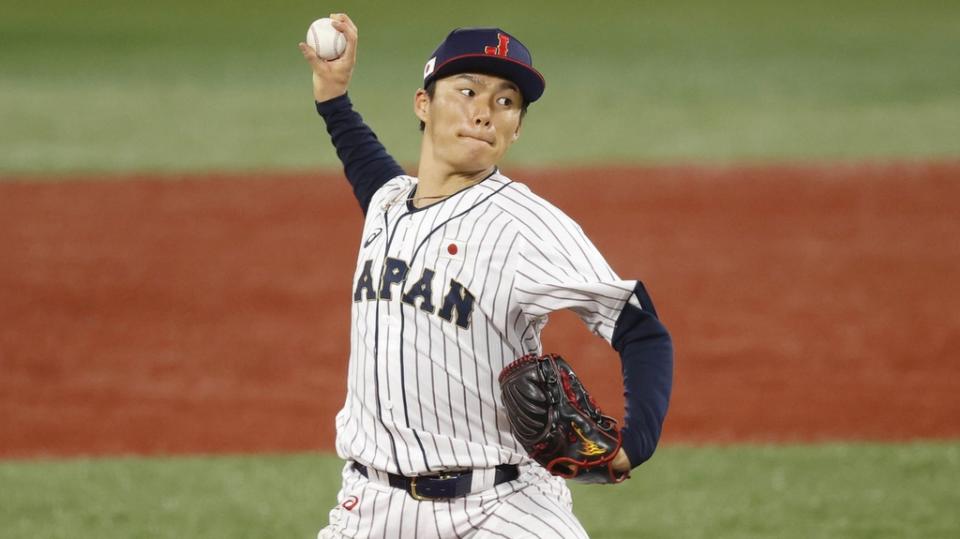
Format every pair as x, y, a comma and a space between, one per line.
413, 490
413, 484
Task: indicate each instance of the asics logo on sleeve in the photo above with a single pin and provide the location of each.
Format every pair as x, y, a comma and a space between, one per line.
376, 233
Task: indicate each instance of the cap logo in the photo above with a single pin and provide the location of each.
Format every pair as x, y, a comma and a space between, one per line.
501, 49
428, 69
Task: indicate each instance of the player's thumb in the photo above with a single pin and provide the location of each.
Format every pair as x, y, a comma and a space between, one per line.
310, 55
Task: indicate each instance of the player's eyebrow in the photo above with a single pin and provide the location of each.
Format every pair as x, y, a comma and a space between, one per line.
504, 85
472, 78
507, 85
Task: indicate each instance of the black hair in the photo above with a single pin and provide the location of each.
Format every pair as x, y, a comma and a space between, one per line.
431, 89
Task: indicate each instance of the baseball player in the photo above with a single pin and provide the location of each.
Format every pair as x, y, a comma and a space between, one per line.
456, 273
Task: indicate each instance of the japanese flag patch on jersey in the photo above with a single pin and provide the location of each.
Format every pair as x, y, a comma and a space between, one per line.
451, 249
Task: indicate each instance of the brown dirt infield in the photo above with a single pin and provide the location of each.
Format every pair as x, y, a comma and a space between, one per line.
209, 314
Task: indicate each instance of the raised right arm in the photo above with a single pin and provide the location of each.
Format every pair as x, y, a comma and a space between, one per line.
366, 162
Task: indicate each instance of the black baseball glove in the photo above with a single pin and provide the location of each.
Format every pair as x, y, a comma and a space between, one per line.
558, 422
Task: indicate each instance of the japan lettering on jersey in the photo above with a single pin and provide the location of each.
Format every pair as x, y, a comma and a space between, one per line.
443, 298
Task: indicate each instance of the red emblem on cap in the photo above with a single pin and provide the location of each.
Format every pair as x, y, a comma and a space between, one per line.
501, 48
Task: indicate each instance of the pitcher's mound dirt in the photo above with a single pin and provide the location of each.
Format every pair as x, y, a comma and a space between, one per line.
210, 314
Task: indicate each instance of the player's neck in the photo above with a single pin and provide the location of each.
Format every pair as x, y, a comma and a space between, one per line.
436, 182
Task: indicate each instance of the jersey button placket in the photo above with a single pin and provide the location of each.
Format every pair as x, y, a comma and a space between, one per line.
390, 317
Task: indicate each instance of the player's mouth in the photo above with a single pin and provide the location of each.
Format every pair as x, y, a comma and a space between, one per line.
481, 138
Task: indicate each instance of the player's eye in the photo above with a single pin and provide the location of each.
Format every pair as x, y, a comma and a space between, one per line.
468, 92
505, 101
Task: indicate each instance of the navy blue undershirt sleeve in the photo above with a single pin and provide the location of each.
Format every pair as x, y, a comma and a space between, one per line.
646, 355
366, 162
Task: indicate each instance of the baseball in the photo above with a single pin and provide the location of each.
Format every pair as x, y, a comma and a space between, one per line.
325, 39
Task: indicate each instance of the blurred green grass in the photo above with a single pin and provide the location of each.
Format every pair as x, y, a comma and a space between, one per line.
849, 490
178, 85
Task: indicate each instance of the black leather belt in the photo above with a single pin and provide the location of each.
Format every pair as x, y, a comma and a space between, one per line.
445, 485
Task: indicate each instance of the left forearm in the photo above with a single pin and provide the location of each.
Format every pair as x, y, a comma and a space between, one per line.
646, 353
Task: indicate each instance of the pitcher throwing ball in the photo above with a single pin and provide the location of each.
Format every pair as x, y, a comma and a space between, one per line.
455, 423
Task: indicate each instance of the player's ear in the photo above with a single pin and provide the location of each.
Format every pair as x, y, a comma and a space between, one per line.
516, 134
421, 105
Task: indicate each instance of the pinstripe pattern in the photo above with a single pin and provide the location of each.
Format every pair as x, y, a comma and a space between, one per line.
444, 297
535, 505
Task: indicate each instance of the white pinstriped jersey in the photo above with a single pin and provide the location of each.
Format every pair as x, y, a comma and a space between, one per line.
444, 297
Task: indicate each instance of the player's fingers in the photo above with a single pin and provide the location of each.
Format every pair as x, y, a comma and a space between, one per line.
341, 23
344, 25
343, 18
348, 30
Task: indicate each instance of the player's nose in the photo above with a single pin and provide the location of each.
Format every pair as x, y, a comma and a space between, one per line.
481, 115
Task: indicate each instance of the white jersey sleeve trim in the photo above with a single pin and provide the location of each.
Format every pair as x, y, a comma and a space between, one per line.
391, 193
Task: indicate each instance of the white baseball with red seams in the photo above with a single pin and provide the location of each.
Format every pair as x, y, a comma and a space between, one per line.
325, 39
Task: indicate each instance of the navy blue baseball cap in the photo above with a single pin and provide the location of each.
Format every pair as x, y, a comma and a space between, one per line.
490, 51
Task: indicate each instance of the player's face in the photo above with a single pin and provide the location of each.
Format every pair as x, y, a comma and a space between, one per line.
471, 120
